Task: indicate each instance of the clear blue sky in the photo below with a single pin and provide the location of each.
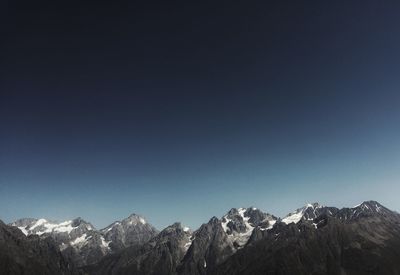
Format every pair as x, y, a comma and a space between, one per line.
180, 112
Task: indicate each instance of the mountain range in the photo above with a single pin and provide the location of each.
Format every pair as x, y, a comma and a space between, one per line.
313, 239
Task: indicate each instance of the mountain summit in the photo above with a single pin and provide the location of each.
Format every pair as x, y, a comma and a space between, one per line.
314, 239
79, 240
133, 230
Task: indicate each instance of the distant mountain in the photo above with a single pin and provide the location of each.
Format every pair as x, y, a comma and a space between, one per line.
365, 209
42, 226
20, 254
218, 239
77, 239
360, 240
160, 255
313, 239
308, 213
80, 242
239, 224
134, 230
210, 246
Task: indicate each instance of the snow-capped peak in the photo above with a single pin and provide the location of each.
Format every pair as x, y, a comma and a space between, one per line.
135, 219
42, 226
239, 223
132, 220
38, 223
307, 212
369, 206
363, 209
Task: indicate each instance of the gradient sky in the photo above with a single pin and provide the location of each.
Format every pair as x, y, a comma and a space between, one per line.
180, 111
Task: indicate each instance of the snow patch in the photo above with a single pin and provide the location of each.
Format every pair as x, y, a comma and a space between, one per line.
63, 246
43, 226
239, 238
23, 230
38, 223
80, 240
270, 225
104, 243
188, 244
224, 223
293, 217
297, 215
64, 227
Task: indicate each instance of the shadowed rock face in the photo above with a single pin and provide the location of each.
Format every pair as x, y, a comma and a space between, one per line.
309, 212
239, 224
317, 240
76, 239
134, 230
313, 239
210, 246
217, 240
30, 255
346, 242
365, 209
82, 244
160, 255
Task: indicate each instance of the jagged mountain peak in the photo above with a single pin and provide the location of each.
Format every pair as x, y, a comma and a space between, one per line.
135, 218
175, 229
366, 208
358, 240
213, 220
132, 220
178, 225
31, 226
22, 255
243, 212
308, 212
132, 230
370, 205
79, 222
239, 223
311, 211
23, 222
159, 255
240, 229
232, 211
314, 205
175, 226
77, 238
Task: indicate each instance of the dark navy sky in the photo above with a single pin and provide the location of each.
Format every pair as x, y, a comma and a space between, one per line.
180, 111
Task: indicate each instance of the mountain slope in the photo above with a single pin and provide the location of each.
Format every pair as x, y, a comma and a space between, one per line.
309, 212
210, 246
77, 239
81, 243
349, 242
313, 239
134, 230
160, 255
30, 255
240, 223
